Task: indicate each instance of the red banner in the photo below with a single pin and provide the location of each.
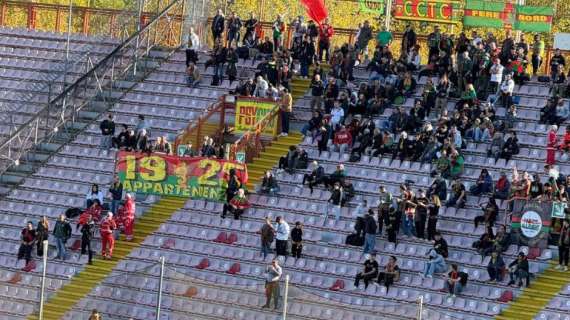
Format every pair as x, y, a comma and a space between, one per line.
159, 174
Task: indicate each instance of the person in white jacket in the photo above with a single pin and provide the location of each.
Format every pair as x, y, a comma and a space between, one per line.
507, 89
261, 87
337, 114
92, 195
281, 236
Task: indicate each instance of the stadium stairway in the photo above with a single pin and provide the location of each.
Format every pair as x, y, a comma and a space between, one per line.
92, 275
534, 298
270, 156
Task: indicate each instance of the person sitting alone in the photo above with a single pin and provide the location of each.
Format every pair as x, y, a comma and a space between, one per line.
456, 281
269, 184
390, 274
435, 264
369, 272
193, 75
518, 270
495, 267
237, 205
289, 161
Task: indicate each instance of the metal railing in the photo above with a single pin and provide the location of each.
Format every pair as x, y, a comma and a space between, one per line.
128, 62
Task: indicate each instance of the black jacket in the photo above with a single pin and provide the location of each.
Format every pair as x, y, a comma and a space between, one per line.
370, 225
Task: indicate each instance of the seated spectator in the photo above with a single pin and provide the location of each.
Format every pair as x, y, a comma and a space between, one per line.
162, 146
562, 112
261, 87
440, 245
315, 177
402, 148
502, 240
458, 195
485, 243
193, 75
336, 177
313, 124
93, 194
342, 140
269, 184
435, 264
511, 117
502, 187
237, 205
510, 147
438, 187
456, 164
337, 114
484, 183
302, 160
289, 161
496, 267
456, 281
369, 272
469, 96
518, 270
490, 212
188, 151
390, 274
407, 86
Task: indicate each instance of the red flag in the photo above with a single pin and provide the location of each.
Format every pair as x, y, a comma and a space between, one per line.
316, 10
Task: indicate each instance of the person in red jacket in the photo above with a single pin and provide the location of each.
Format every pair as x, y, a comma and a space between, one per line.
342, 140
551, 143
565, 144
126, 216
106, 229
326, 32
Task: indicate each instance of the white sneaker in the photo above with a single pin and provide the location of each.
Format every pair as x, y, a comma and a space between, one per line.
558, 267
429, 276
565, 268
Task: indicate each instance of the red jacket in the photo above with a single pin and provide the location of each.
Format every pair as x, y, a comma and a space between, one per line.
107, 226
326, 32
552, 139
343, 137
240, 203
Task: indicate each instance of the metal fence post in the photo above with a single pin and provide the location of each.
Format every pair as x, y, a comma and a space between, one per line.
420, 307
286, 296
45, 245
160, 282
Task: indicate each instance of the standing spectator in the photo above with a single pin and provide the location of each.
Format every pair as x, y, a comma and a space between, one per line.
537, 53
234, 27
126, 216
261, 87
369, 272
61, 233
272, 277
286, 107
116, 191
87, 234
364, 37
496, 71
106, 229
409, 39
193, 47
250, 25
299, 31
551, 145
433, 212
370, 228
518, 270
267, 233
390, 274
420, 218
234, 184
27, 239
93, 194
563, 247
434, 40
507, 89
297, 240
456, 281
435, 264
317, 91
42, 234
282, 236
218, 24
326, 32
384, 38
142, 125
557, 64
107, 131
495, 267
278, 30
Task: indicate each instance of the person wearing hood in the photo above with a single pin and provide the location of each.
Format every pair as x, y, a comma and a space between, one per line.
435, 264
126, 216
106, 229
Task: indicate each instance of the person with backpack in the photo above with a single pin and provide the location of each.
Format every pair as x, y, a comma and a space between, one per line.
61, 233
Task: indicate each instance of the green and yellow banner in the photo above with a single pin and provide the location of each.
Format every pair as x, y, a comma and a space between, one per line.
250, 111
501, 14
164, 175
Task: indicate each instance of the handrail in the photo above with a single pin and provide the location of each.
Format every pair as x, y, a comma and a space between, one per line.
89, 74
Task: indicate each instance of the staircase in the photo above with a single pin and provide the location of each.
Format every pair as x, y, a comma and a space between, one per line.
82, 283
278, 148
99, 104
536, 297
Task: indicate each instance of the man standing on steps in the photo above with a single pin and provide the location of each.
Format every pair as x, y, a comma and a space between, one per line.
272, 277
107, 131
106, 229
282, 235
286, 107
61, 232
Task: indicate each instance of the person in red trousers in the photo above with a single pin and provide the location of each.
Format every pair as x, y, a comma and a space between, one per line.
126, 216
106, 229
551, 145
